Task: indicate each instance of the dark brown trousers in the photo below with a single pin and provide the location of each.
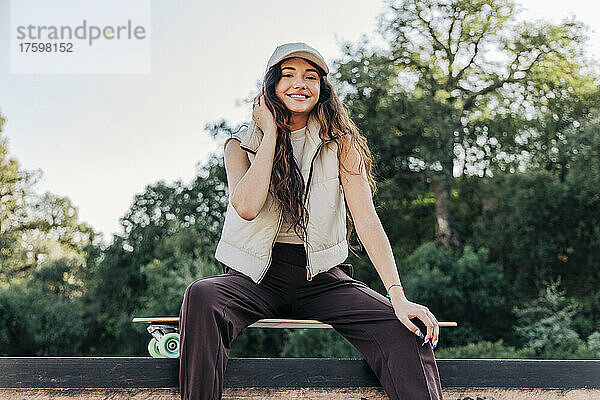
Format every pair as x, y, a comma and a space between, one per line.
216, 309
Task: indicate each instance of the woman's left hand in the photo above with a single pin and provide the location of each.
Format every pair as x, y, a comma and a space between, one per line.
405, 309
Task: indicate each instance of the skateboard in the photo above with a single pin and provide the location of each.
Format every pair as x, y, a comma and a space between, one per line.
165, 331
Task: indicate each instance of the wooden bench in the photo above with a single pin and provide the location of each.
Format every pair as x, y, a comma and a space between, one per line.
61, 378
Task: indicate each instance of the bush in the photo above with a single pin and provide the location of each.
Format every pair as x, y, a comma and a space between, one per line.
545, 326
484, 349
464, 288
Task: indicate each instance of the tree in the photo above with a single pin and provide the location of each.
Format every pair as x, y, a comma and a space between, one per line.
440, 72
35, 229
11, 197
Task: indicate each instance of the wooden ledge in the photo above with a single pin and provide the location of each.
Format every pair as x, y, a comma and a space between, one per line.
146, 372
96, 378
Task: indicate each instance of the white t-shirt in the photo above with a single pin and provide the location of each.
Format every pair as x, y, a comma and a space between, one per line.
297, 138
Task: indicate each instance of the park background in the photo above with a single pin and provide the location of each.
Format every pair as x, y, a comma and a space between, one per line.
487, 156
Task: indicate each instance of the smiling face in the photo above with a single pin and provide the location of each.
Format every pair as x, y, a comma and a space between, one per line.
299, 86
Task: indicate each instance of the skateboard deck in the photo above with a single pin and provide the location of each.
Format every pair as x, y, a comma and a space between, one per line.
261, 323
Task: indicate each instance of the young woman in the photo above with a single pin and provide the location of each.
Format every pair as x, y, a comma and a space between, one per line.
291, 173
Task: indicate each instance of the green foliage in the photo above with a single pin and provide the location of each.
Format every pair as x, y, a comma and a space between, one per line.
60, 328
44, 318
593, 343
463, 288
524, 224
17, 328
545, 322
168, 276
318, 343
538, 228
253, 342
483, 349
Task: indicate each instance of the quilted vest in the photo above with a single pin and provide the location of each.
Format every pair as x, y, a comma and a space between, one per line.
246, 246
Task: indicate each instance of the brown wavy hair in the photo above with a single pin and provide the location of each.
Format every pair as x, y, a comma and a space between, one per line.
287, 185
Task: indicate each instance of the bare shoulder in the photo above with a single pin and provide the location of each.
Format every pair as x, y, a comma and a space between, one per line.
236, 162
235, 155
351, 159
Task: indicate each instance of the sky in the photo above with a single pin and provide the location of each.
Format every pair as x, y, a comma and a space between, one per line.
100, 139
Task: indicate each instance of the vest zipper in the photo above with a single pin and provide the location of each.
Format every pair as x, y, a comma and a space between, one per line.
309, 275
272, 244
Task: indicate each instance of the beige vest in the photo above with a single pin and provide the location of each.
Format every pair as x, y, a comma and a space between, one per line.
246, 246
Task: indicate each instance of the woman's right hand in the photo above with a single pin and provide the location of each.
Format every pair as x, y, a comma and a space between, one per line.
262, 115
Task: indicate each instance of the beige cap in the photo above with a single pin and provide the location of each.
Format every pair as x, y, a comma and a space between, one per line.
297, 49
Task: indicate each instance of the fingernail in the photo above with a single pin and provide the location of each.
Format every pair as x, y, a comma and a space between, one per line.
421, 335
434, 346
424, 343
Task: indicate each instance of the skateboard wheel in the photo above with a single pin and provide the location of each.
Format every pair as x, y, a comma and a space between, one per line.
153, 349
168, 345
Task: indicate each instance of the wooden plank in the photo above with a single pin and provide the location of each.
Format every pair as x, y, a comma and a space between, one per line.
91, 372
147, 372
520, 373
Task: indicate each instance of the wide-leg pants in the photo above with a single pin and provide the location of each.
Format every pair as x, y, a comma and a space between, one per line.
216, 309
